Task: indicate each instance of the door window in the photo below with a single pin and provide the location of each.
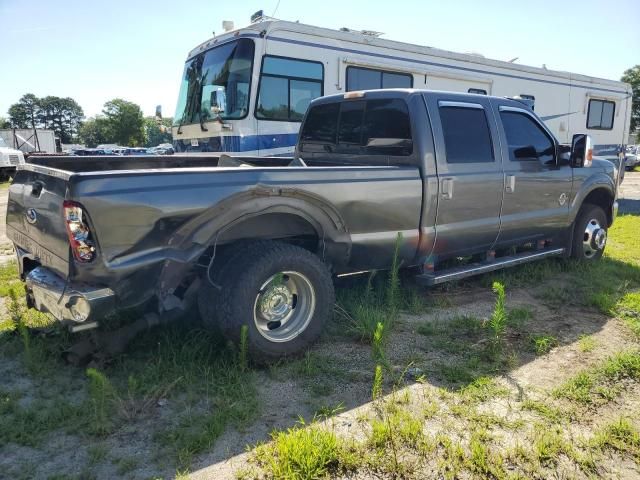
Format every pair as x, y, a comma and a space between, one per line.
466, 133
526, 139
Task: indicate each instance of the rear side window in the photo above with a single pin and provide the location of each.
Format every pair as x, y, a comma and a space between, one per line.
321, 125
467, 138
600, 114
351, 123
365, 127
387, 130
526, 139
370, 79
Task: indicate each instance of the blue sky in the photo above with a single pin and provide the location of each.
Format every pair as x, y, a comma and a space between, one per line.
134, 49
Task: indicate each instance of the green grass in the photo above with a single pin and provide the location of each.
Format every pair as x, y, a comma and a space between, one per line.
548, 444
9, 279
602, 383
628, 308
542, 344
304, 452
30, 424
587, 343
546, 411
483, 389
620, 436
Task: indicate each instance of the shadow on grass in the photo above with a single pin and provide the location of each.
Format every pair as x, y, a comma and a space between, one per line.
629, 206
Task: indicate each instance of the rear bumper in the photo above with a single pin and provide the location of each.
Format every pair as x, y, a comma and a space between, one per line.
47, 292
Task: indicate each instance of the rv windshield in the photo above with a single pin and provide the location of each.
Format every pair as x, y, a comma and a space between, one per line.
215, 84
3, 143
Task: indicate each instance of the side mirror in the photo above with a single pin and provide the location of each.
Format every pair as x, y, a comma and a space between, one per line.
581, 150
526, 153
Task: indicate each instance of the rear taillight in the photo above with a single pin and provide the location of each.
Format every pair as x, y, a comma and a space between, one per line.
80, 237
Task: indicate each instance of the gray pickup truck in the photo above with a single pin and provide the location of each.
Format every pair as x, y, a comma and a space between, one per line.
256, 241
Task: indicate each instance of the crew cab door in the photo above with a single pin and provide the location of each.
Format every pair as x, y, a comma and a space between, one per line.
537, 187
470, 174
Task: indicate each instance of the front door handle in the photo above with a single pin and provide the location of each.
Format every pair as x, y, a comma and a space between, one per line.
510, 186
447, 188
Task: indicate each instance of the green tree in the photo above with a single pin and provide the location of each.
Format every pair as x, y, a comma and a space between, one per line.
157, 133
4, 123
632, 77
62, 115
125, 122
24, 113
95, 131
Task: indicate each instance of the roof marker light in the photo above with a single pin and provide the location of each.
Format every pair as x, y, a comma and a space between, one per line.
354, 95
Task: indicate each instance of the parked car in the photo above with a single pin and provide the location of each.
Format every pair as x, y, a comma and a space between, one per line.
443, 175
159, 150
632, 157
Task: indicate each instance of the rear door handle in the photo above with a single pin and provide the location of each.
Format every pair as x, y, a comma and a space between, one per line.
36, 188
447, 188
510, 186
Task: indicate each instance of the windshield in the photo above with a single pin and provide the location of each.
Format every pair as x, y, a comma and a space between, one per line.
3, 143
215, 84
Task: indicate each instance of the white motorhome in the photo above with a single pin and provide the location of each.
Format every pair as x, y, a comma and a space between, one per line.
246, 91
9, 159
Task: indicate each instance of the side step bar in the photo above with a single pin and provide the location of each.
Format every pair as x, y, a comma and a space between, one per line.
477, 268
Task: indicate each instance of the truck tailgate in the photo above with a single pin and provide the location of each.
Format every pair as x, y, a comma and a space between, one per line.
35, 220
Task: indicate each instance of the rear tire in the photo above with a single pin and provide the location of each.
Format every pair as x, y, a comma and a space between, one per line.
209, 292
282, 293
590, 233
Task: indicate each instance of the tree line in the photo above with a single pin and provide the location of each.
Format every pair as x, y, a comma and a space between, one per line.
121, 122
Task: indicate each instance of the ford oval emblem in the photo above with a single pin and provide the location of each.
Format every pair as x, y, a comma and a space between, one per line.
32, 215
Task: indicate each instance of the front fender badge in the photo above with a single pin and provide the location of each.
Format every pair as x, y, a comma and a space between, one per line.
563, 198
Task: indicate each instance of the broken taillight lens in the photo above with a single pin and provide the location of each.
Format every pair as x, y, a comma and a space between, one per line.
80, 237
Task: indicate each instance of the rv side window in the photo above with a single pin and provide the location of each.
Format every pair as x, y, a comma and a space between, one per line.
526, 139
478, 91
369, 79
600, 116
467, 138
286, 87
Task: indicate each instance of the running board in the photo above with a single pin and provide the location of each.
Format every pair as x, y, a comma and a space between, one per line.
477, 268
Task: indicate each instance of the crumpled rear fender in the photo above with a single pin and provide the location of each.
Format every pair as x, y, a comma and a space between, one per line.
209, 228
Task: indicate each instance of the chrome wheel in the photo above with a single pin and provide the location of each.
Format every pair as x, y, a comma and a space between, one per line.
595, 238
284, 306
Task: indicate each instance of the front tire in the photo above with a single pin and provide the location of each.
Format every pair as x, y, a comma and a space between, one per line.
590, 233
282, 293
